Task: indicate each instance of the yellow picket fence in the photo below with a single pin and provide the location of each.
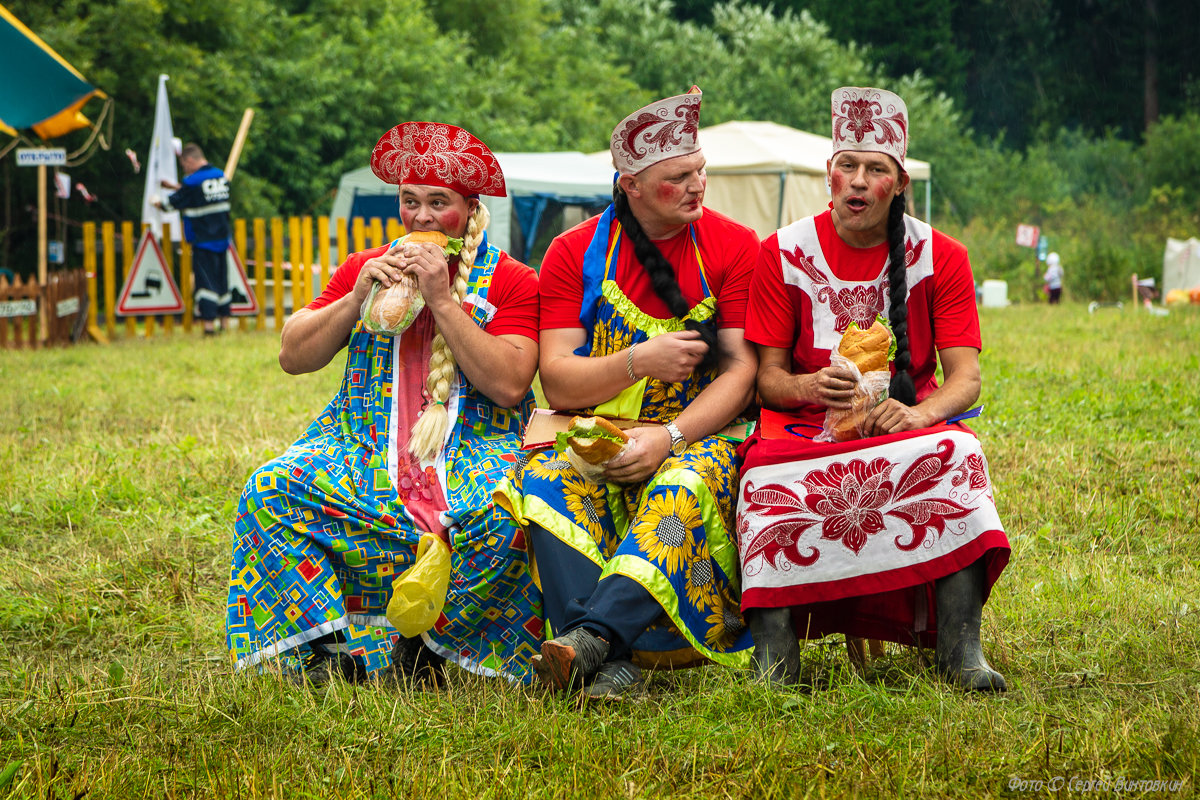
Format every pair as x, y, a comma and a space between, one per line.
286, 266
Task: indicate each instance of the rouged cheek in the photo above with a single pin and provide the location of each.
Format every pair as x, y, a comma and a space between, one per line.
837, 182
884, 189
450, 220
668, 191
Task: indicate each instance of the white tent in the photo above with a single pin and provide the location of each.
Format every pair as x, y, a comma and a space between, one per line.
534, 181
1181, 264
766, 175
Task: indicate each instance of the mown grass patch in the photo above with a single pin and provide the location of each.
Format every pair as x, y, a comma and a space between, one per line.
123, 468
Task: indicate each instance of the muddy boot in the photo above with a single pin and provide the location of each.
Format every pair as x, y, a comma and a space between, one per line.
959, 612
776, 648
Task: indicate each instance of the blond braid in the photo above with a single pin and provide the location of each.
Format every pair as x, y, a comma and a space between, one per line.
430, 429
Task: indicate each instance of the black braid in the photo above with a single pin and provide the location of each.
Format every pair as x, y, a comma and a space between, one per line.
662, 276
902, 387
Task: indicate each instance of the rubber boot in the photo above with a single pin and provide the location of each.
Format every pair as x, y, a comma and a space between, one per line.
776, 648
960, 657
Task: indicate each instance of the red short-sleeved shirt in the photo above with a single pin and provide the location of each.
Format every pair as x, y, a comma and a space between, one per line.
513, 291
728, 250
941, 309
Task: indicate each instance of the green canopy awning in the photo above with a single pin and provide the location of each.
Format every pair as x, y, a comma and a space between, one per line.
39, 90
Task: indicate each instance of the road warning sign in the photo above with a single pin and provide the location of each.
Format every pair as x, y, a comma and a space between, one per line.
149, 287
242, 300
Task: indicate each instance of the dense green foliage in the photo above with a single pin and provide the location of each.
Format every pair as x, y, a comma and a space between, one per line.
115, 527
326, 78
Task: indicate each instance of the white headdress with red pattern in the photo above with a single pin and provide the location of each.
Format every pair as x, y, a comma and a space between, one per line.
668, 128
437, 154
870, 120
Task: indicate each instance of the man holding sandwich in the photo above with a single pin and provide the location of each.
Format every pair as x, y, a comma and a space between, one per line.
894, 536
423, 426
642, 310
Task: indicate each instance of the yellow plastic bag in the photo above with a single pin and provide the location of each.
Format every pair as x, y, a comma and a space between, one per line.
419, 594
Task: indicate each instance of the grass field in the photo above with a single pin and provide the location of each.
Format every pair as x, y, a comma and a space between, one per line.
122, 466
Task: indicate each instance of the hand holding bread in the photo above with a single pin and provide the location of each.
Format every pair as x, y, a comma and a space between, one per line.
389, 311
868, 351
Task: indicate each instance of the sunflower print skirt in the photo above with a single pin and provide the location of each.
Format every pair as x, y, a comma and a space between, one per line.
673, 535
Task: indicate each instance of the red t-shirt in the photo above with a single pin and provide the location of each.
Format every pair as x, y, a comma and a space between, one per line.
941, 308
728, 250
513, 291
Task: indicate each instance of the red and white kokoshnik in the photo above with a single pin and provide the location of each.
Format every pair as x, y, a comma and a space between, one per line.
668, 128
870, 120
437, 154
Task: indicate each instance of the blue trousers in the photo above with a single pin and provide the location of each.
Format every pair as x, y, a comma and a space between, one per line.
617, 609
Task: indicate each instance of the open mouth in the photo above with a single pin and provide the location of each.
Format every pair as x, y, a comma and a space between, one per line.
856, 204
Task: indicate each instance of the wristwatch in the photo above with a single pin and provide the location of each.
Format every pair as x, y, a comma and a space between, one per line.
678, 442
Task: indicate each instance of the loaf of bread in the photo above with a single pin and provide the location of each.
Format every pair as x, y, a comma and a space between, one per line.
869, 349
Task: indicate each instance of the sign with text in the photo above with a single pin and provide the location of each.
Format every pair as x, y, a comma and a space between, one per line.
1027, 235
41, 157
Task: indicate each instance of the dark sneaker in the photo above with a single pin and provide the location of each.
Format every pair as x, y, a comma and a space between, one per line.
616, 680
414, 664
568, 660
323, 668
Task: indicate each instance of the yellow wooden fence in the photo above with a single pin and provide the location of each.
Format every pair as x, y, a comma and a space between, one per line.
282, 257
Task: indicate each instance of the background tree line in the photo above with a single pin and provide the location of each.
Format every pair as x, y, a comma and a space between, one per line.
1076, 115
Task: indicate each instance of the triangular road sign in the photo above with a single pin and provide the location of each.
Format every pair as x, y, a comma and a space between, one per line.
149, 287
242, 302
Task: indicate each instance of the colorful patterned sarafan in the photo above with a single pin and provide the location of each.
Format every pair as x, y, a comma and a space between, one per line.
321, 531
673, 534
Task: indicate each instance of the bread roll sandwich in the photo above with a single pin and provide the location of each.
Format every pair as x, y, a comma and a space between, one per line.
870, 350
389, 311
590, 443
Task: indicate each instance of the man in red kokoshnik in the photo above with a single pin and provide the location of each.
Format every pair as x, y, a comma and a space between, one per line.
894, 536
423, 425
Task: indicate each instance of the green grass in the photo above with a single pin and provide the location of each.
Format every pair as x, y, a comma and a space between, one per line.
122, 465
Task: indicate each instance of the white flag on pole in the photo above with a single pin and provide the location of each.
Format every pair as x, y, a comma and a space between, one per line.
161, 165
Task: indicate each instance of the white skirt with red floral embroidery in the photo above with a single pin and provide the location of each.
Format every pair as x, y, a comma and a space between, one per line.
844, 522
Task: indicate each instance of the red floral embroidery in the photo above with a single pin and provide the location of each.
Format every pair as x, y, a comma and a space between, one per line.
666, 132
414, 483
851, 501
864, 116
859, 304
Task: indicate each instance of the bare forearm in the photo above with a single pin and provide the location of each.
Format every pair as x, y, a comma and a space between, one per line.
781, 390
952, 398
310, 339
571, 381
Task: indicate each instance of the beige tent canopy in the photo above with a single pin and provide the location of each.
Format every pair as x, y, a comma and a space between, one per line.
766, 175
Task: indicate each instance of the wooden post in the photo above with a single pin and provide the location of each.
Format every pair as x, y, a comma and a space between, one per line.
129, 245
343, 249
108, 237
323, 251
358, 240
239, 244
277, 270
394, 230
306, 255
376, 231
42, 259
239, 140
93, 283
187, 288
297, 270
260, 272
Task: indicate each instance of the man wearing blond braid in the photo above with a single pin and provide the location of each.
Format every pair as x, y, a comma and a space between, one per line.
422, 427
